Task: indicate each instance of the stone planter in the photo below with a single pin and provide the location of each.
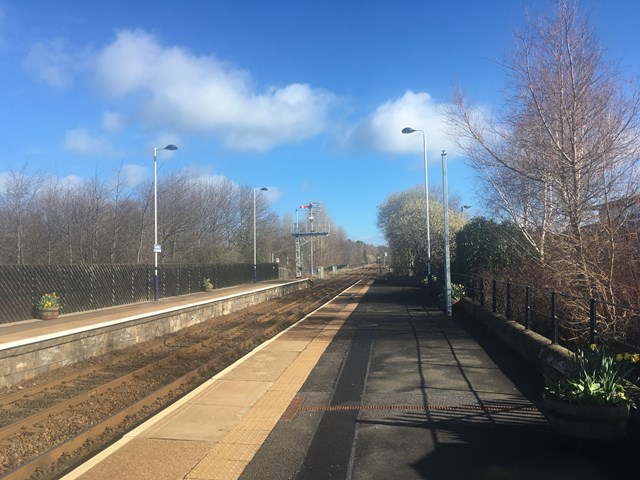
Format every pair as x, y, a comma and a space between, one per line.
605, 423
48, 313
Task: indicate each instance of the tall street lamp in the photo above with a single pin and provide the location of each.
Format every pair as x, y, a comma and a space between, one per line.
447, 265
426, 196
255, 264
156, 246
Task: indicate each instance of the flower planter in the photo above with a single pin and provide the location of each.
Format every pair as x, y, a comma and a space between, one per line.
48, 313
604, 423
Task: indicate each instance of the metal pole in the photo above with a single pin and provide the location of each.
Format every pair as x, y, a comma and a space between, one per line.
156, 247
554, 317
426, 197
494, 293
155, 223
447, 266
311, 258
298, 251
592, 321
255, 266
527, 308
408, 130
311, 230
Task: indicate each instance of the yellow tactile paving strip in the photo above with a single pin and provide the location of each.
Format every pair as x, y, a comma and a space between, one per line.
237, 440
230, 456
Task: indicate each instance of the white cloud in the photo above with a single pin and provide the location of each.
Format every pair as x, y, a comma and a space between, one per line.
71, 182
51, 62
382, 129
196, 94
81, 142
132, 175
113, 122
203, 176
212, 179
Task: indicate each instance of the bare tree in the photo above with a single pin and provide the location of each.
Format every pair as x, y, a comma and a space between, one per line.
563, 151
50, 214
16, 203
100, 221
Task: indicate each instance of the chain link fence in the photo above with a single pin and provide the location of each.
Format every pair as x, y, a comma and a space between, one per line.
88, 287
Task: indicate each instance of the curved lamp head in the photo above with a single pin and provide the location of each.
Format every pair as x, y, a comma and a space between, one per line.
264, 189
170, 147
408, 130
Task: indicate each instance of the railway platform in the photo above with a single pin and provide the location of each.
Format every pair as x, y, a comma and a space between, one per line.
32, 347
374, 385
27, 331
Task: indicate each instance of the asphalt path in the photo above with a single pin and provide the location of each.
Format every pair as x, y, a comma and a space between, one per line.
404, 392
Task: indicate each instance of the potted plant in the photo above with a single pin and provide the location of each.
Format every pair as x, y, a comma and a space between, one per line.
207, 286
591, 403
48, 307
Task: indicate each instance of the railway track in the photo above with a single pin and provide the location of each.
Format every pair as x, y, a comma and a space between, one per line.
58, 422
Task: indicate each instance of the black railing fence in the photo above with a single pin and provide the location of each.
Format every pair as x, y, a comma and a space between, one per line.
562, 318
88, 287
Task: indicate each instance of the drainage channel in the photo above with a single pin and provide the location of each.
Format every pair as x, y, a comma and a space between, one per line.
471, 408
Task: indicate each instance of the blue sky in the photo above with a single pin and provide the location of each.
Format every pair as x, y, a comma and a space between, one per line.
306, 98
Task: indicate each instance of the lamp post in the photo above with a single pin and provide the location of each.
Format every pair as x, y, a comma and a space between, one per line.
156, 246
447, 266
255, 263
407, 130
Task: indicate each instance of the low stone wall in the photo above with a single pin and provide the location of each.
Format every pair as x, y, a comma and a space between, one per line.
549, 359
26, 361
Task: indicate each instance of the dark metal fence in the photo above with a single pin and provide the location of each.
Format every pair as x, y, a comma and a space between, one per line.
88, 287
562, 318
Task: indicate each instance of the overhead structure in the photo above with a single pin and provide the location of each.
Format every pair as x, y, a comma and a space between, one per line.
311, 227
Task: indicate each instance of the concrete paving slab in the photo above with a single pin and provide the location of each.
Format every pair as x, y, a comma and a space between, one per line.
409, 440
289, 345
406, 378
198, 422
403, 350
482, 379
266, 366
233, 392
138, 460
468, 357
